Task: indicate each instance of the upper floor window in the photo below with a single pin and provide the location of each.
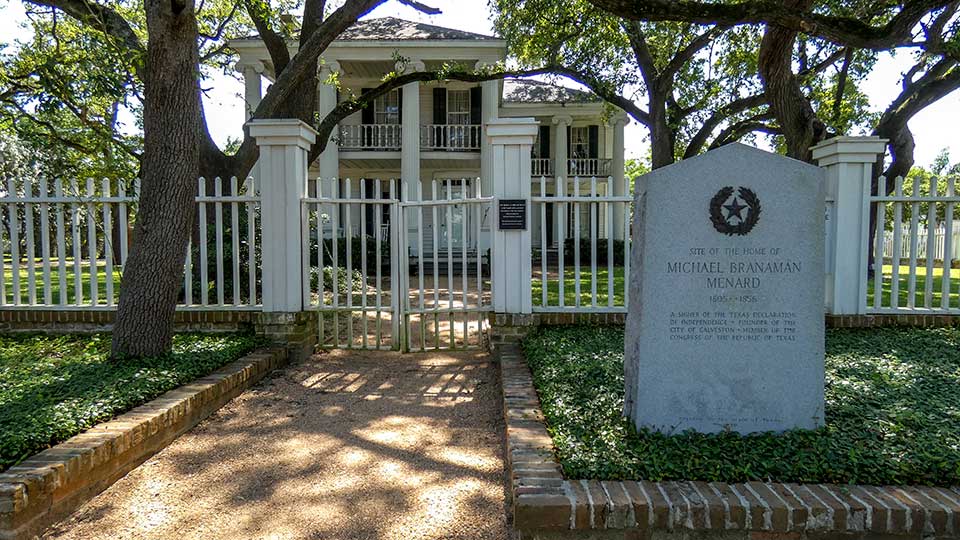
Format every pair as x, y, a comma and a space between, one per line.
458, 107
386, 108
579, 142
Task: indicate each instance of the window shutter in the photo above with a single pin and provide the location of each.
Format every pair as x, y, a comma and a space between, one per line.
399, 105
366, 114
475, 104
439, 105
569, 144
593, 139
544, 141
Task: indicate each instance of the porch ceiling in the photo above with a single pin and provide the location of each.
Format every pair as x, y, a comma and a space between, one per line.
392, 166
370, 165
374, 69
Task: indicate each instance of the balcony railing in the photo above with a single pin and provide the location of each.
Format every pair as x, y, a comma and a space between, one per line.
450, 137
588, 167
541, 167
370, 137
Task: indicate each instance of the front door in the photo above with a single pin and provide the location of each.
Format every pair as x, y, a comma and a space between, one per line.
454, 221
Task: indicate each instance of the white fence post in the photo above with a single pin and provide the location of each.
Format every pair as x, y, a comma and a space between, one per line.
283, 144
849, 163
511, 140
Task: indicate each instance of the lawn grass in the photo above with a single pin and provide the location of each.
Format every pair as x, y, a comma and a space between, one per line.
569, 287
892, 415
903, 293
54, 387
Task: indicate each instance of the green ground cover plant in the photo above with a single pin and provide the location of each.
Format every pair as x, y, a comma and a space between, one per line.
54, 387
892, 415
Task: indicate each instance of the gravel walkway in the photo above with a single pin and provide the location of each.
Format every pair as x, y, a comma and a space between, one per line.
343, 446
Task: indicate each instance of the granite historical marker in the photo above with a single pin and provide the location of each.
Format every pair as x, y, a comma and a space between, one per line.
725, 329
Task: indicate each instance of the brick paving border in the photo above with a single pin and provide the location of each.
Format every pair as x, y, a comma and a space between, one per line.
50, 485
547, 506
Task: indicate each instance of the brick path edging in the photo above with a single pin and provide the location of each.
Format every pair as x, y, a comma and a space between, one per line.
546, 505
50, 485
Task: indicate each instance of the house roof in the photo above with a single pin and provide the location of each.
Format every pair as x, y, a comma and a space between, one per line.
394, 29
528, 91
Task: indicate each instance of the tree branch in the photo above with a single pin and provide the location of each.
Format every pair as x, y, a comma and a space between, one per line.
275, 43
849, 31
641, 52
730, 109
107, 21
684, 55
602, 91
841, 86
737, 131
304, 64
421, 7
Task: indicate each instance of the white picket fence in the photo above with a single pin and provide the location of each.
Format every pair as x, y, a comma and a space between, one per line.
906, 279
421, 270
64, 244
939, 242
580, 222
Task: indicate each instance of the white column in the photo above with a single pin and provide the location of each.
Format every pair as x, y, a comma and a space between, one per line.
560, 162
410, 148
619, 183
252, 89
283, 144
848, 162
329, 160
511, 140
489, 111
410, 130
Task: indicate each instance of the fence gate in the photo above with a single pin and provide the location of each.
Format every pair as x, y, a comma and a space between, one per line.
390, 265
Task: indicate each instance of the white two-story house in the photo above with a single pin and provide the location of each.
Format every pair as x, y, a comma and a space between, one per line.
434, 132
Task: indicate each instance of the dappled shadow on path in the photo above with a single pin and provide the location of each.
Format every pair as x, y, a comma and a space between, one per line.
345, 445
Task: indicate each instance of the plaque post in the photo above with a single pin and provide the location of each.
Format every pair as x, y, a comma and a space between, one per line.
511, 140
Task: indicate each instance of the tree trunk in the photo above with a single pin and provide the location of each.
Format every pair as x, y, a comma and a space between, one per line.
661, 136
171, 129
799, 123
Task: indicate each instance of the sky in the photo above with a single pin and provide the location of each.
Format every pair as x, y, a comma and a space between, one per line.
934, 129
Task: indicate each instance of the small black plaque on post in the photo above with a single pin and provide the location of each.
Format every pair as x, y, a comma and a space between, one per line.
512, 214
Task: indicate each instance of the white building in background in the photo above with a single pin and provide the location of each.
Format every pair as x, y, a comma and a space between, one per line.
434, 132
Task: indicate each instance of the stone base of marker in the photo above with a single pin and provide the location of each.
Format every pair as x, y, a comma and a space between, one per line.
295, 331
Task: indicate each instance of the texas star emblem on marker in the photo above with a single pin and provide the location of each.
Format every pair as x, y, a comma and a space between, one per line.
735, 209
727, 210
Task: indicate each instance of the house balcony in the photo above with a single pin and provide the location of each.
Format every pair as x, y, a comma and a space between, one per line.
588, 167
575, 167
379, 137
433, 137
451, 137
541, 167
